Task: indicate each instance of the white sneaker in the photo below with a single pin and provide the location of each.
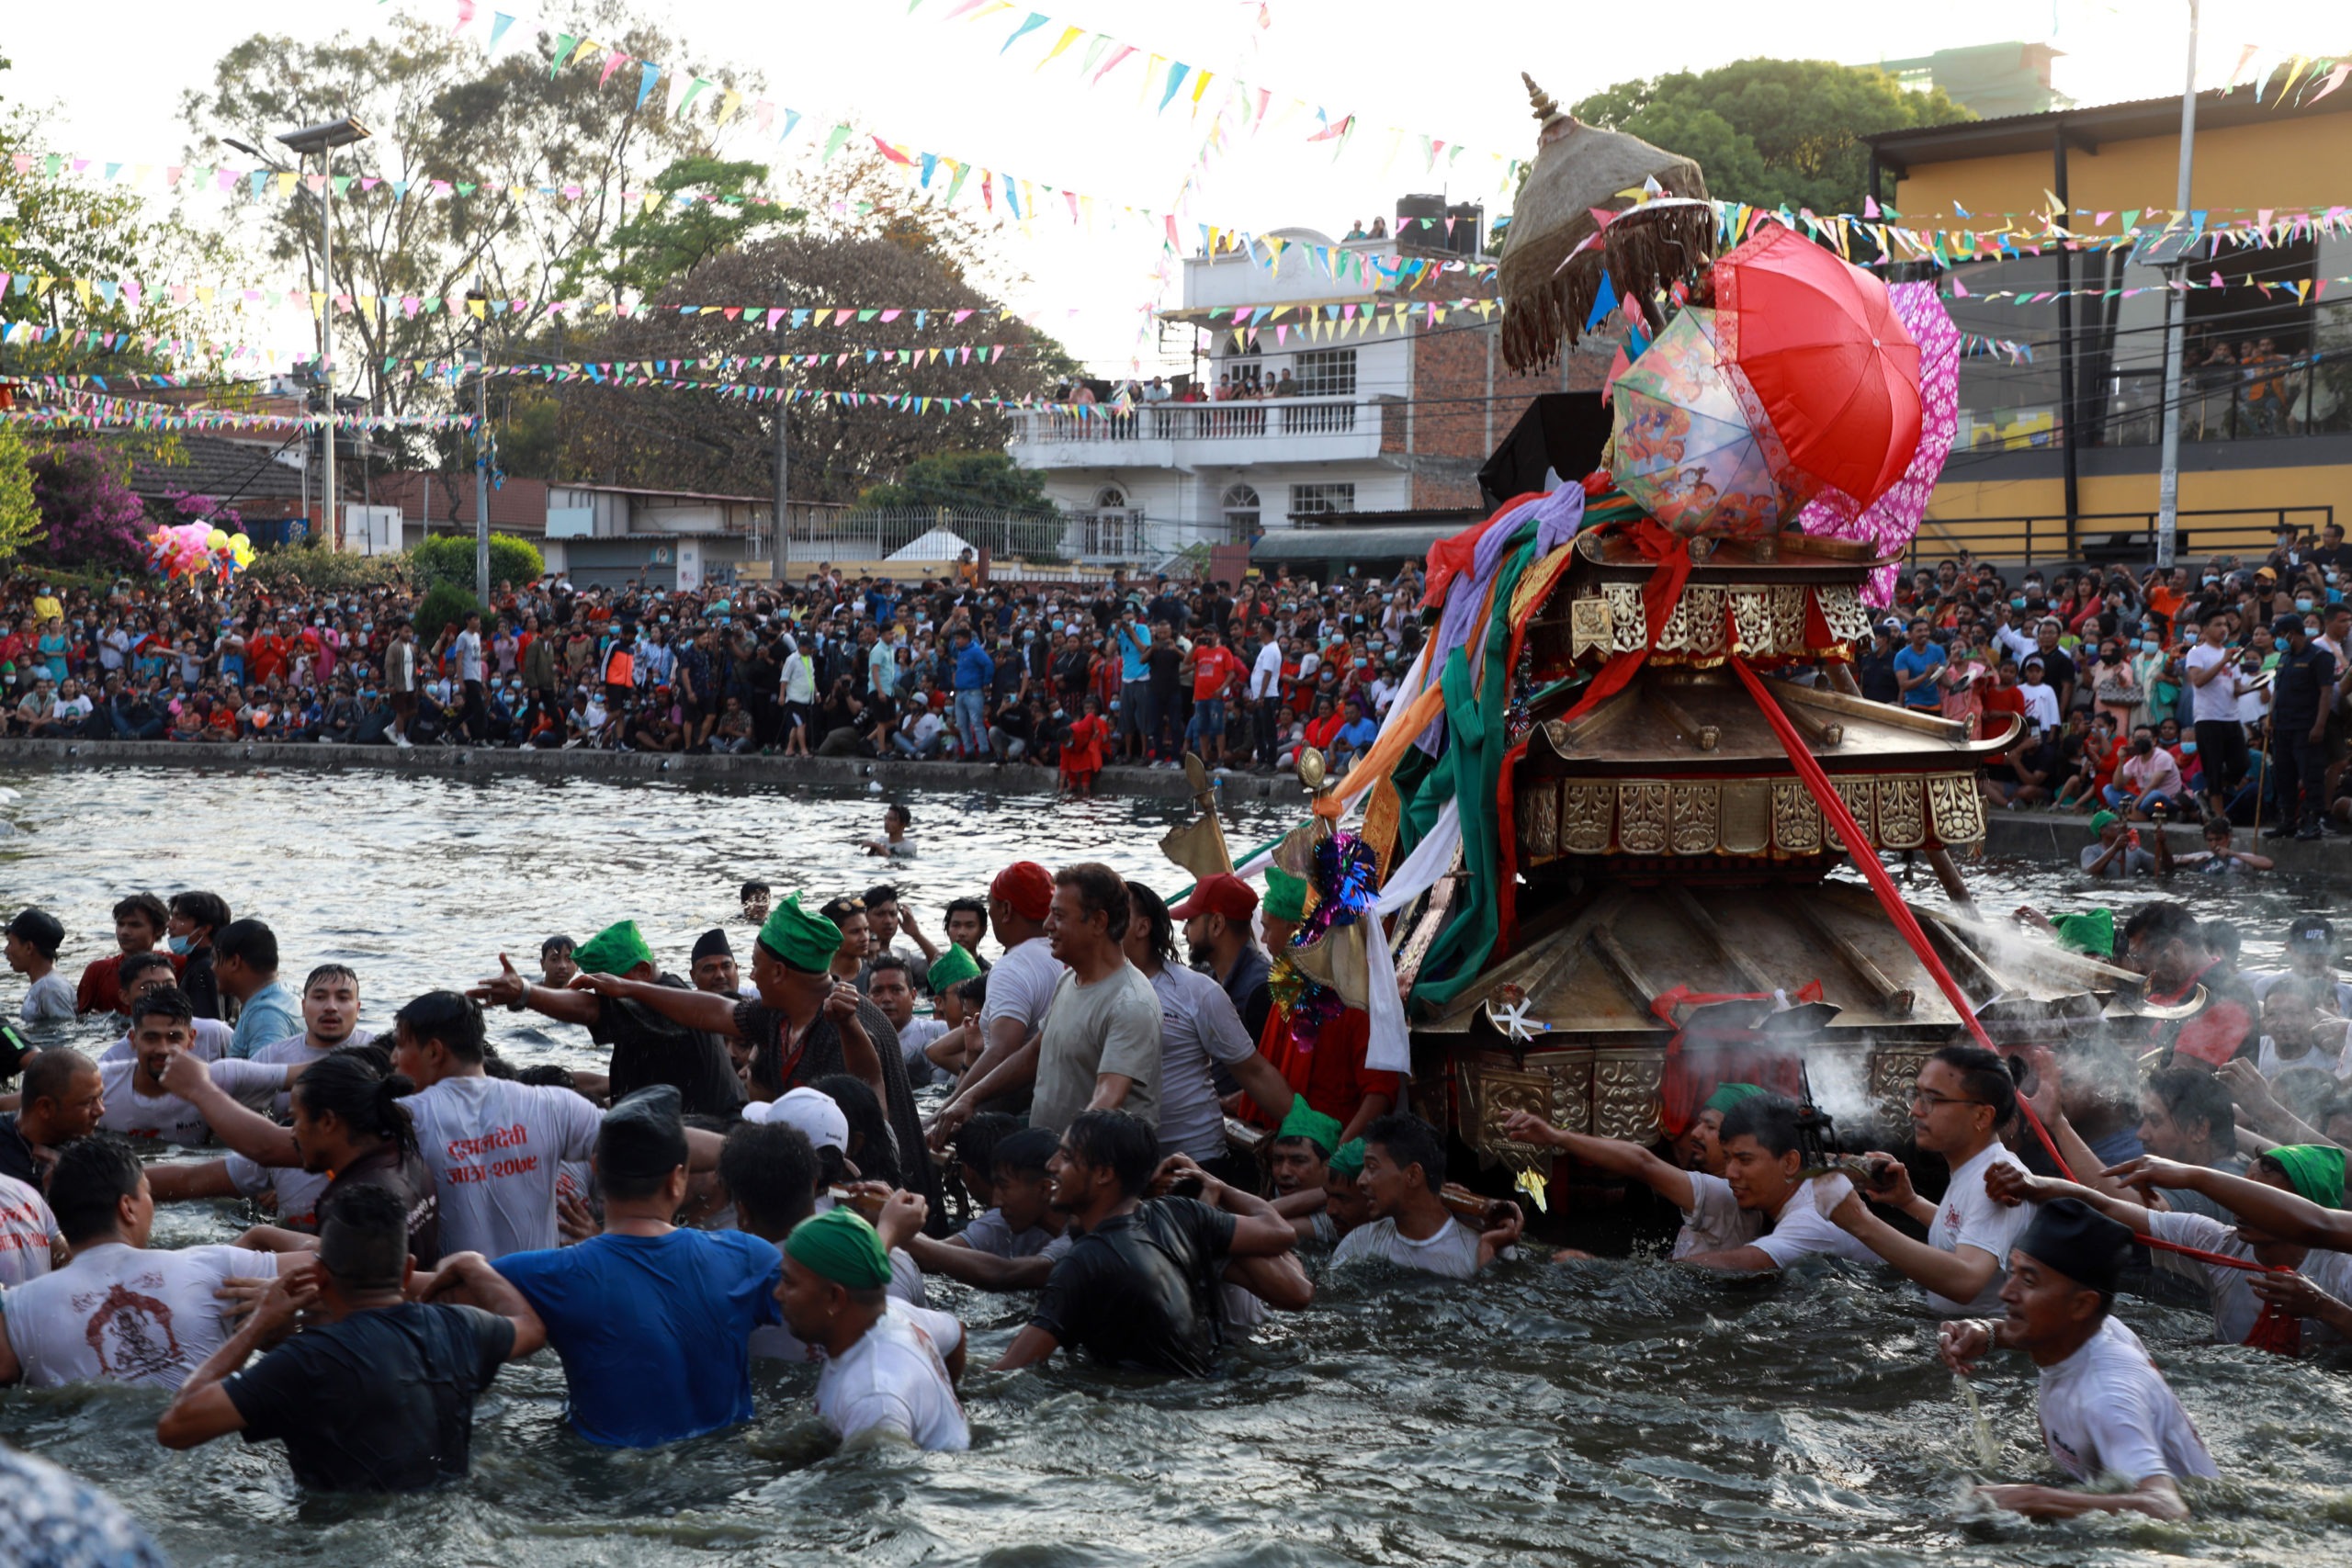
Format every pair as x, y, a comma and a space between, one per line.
403, 742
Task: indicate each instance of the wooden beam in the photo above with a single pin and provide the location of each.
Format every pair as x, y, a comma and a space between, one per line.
1621, 967
1891, 998
1692, 914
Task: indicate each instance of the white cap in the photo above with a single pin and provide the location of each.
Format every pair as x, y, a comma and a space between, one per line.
816, 1117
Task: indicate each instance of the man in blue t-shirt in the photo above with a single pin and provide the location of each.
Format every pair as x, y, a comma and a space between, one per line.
1134, 676
1918, 669
653, 1323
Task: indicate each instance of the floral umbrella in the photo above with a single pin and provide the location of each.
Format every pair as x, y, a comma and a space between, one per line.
1683, 450
1890, 522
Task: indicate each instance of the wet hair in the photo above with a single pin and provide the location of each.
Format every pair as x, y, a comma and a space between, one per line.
1119, 1142
331, 972
974, 991
967, 907
841, 908
206, 909
1100, 891
547, 1075
145, 904
881, 893
2193, 1095
1411, 1140
869, 1130
770, 1172
977, 1140
168, 1001
2160, 922
2220, 937
448, 1017
563, 944
1026, 1152
1984, 1075
748, 889
906, 818
49, 1074
363, 1236
891, 960
134, 964
1145, 905
1769, 1119
249, 942
92, 1178
362, 1098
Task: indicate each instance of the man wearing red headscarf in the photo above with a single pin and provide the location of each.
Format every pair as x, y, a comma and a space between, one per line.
1020, 984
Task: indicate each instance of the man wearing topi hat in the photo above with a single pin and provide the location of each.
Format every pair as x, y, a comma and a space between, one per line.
2106, 1410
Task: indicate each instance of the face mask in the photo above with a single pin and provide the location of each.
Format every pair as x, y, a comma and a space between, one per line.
180, 944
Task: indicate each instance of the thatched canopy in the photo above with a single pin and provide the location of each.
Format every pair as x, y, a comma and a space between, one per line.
1578, 168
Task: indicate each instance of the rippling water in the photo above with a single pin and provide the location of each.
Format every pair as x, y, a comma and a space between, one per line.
1603, 1412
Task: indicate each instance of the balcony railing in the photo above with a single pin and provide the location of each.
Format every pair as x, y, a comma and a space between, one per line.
1253, 421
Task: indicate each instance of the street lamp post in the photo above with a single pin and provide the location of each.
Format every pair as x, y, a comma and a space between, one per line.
323, 140
2175, 314
482, 450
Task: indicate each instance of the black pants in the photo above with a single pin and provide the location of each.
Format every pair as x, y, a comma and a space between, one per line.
477, 718
2221, 748
2302, 771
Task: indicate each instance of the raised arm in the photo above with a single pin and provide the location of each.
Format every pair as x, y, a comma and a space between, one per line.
2283, 1214
508, 988
1611, 1154
711, 1013
253, 1135
202, 1410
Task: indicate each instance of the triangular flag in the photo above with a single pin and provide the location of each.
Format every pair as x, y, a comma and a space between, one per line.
648, 74
1176, 72
499, 22
564, 44
1029, 24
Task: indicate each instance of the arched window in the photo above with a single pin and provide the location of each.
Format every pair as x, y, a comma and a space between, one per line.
1241, 511
1111, 499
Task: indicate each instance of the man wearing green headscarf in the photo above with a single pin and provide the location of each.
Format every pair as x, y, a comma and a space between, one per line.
803, 1026
1713, 1220
648, 1047
890, 1369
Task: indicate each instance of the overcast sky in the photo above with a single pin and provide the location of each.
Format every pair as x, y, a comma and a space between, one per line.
113, 71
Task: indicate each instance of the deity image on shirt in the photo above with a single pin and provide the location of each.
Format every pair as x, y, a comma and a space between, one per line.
132, 1335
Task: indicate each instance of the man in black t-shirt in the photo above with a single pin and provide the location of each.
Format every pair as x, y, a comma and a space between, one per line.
1138, 1286
379, 1398
1166, 663
2301, 695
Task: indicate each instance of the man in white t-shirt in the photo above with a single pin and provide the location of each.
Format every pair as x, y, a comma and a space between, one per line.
1020, 983
1713, 1220
2215, 689
163, 1025
29, 1238
117, 1313
889, 1370
1764, 1174
2106, 1412
330, 1020
1404, 1167
145, 972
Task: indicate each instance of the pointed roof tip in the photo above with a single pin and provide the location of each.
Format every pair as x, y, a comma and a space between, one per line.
1545, 105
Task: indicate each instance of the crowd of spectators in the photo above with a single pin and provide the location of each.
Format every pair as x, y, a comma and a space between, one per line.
861, 666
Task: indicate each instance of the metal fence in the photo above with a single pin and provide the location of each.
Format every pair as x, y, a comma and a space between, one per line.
2122, 537
1242, 421
933, 537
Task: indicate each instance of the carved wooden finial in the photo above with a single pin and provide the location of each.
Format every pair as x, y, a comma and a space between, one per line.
1545, 105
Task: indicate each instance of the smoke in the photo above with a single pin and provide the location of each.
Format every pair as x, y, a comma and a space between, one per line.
1840, 1076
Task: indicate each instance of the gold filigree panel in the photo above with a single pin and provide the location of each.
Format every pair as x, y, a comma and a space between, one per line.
1957, 807
1588, 626
1902, 814
1641, 817
1857, 794
1692, 818
1625, 1085
1796, 821
1842, 610
1490, 1093
1751, 620
1628, 627
1894, 1071
1741, 816
1588, 811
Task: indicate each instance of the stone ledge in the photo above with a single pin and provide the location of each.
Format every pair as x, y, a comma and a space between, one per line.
2059, 837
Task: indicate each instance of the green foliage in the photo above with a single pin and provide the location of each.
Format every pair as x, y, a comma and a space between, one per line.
447, 561
1772, 132
668, 238
986, 479
19, 515
313, 566
443, 604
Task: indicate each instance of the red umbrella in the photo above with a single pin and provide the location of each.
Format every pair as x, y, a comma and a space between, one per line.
1825, 367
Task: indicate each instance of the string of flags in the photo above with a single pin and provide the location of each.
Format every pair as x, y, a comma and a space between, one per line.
89, 411
457, 369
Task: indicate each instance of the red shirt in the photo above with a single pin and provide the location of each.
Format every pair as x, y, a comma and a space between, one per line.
1214, 669
1332, 1075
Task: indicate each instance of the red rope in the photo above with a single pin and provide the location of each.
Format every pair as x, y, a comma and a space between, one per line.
1864, 855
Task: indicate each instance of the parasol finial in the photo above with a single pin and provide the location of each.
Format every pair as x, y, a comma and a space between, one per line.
1545, 105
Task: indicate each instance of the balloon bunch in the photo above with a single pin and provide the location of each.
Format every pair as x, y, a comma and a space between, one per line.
193, 549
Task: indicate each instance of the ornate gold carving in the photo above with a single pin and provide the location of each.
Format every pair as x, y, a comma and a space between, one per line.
1490, 1093
1538, 821
1796, 821
1588, 625
1902, 821
1893, 1070
1641, 817
1571, 1076
1788, 619
1746, 813
1751, 620
1585, 813
1857, 794
1624, 1092
1957, 807
1628, 628
1843, 610
1692, 827
1696, 626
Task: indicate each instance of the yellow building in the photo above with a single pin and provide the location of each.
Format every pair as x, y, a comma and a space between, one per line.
2057, 460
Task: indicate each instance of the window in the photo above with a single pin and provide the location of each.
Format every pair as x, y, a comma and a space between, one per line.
1315, 501
1111, 499
1241, 511
1327, 373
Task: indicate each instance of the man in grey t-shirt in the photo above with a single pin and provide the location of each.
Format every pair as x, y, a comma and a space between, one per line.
1100, 1047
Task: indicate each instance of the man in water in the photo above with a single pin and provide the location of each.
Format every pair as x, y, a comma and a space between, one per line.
1298, 1165
1713, 1220
2105, 1411
1764, 1175
377, 1394
712, 968
1015, 1244
890, 986
117, 1313
1138, 1288
244, 962
617, 1307
1021, 986
754, 895
60, 1100
193, 918
139, 1105
1218, 939
32, 941
558, 962
1404, 1168
648, 1046
2185, 1115
330, 1022
888, 1373
139, 922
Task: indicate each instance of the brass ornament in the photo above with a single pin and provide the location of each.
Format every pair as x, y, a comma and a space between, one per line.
1747, 818
1626, 1082
1540, 824
1843, 611
1751, 621
1588, 626
1693, 827
1796, 821
1901, 817
1957, 807
1588, 811
1641, 817
1628, 625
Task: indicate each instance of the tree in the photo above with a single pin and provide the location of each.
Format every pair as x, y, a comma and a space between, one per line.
447, 561
1772, 132
990, 480
92, 518
20, 512
672, 236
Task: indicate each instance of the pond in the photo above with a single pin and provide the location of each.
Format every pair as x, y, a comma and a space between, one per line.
1604, 1413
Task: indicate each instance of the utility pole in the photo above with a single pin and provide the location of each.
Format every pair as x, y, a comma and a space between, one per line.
332, 533
481, 454
2175, 316
781, 554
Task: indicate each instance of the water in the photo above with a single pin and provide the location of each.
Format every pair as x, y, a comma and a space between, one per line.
1604, 1414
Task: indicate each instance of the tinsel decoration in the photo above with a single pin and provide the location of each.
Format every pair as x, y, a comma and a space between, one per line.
1347, 875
